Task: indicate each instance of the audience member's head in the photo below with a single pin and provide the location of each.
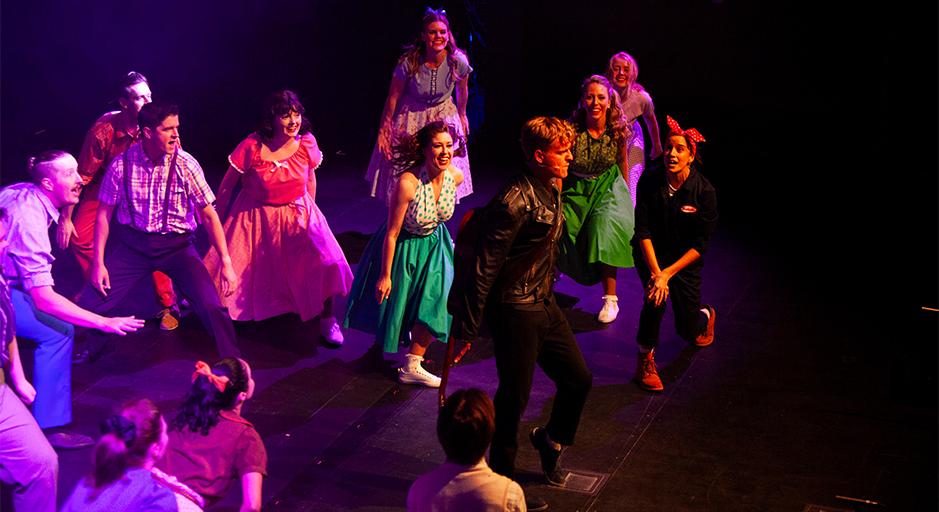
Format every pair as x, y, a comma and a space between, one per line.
222, 386
465, 426
135, 437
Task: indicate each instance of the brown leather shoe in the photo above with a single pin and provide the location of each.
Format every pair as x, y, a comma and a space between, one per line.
707, 337
646, 375
168, 321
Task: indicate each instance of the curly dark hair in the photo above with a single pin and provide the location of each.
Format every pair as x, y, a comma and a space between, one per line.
408, 152
203, 403
276, 105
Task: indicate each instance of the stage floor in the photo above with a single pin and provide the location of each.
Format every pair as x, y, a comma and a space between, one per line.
783, 411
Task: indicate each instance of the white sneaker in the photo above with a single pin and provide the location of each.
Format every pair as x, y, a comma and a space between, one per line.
330, 331
418, 375
610, 309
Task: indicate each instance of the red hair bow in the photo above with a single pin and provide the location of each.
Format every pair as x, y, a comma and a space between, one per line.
203, 369
692, 134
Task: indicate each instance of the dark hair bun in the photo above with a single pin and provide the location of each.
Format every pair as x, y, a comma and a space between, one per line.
121, 427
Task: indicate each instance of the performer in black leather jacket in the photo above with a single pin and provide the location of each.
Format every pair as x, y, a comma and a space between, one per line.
514, 265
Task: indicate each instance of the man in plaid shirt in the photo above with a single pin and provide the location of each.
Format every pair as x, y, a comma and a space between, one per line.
110, 136
158, 191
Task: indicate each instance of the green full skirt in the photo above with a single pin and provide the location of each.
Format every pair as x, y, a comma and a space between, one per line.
599, 223
421, 276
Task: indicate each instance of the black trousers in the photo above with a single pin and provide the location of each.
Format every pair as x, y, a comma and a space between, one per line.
525, 334
132, 255
684, 290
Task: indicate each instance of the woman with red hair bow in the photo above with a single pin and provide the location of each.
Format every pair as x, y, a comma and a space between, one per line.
676, 214
210, 444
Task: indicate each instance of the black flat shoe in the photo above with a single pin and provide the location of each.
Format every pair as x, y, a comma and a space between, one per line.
550, 458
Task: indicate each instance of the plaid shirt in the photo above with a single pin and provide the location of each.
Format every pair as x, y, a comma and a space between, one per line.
147, 185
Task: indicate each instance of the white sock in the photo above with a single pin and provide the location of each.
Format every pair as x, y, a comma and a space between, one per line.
706, 311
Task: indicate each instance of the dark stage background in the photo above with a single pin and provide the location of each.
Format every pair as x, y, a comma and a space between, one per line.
821, 121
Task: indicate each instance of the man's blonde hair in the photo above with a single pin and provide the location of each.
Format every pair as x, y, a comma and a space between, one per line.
542, 131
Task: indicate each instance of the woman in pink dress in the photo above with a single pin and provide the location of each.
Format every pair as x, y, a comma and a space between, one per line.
281, 247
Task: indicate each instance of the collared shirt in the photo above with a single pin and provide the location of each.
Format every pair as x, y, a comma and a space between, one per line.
147, 185
103, 143
27, 262
453, 486
678, 222
210, 463
135, 490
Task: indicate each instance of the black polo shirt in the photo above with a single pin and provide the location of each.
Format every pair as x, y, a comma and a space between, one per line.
678, 223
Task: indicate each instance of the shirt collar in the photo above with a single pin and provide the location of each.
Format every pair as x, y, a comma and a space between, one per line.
165, 161
479, 465
231, 416
121, 132
544, 194
51, 210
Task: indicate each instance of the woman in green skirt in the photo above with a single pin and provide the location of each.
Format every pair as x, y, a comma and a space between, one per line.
598, 211
403, 279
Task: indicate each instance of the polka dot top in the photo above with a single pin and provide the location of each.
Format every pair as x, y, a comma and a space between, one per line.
424, 214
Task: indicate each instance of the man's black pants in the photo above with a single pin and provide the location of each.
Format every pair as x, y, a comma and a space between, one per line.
132, 255
525, 334
684, 290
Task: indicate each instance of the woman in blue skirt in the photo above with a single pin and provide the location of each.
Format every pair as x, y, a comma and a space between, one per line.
403, 279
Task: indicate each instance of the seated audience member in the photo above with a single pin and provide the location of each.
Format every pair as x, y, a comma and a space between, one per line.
465, 482
210, 444
28, 464
122, 478
42, 316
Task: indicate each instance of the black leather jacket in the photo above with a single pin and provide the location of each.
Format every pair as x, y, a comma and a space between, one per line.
515, 253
